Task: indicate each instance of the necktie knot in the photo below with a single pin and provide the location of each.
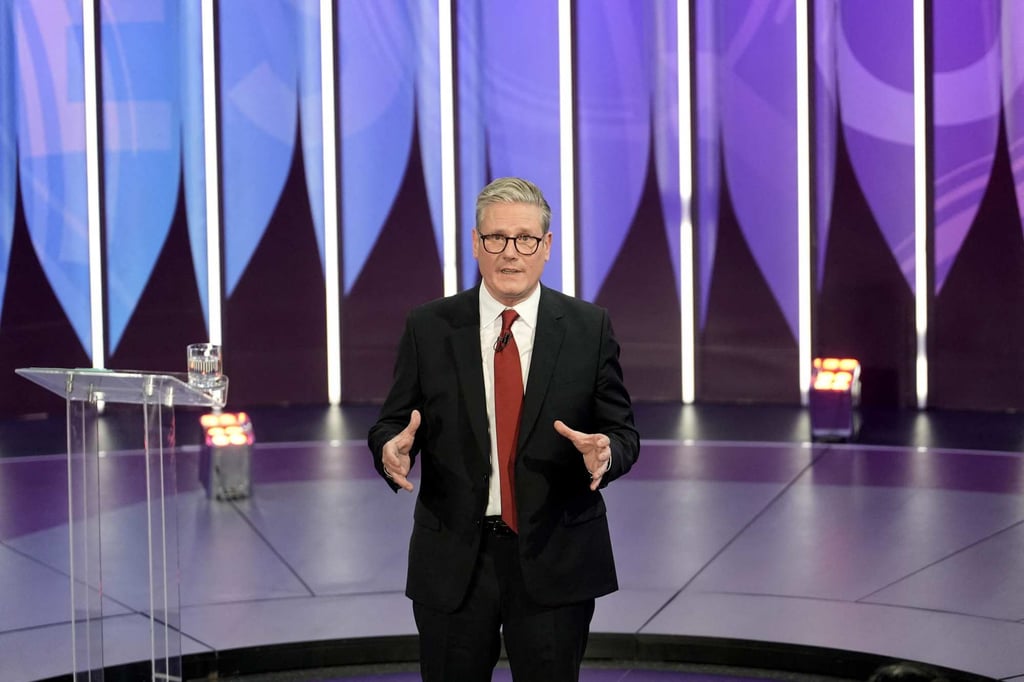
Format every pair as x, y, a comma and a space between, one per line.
508, 316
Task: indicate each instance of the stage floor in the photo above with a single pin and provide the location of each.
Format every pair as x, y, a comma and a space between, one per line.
907, 543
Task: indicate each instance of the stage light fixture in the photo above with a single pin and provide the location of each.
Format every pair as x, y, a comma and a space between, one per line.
833, 398
225, 456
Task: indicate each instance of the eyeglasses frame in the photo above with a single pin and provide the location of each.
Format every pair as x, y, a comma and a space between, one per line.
515, 242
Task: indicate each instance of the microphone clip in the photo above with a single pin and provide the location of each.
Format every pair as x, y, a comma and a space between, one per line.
502, 341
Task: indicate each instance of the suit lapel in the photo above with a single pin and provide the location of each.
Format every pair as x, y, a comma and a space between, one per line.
547, 344
465, 341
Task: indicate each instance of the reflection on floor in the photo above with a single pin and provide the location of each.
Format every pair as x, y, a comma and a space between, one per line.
731, 535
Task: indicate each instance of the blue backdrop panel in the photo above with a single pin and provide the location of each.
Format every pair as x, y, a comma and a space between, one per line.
628, 169
51, 150
193, 141
874, 61
428, 111
864, 194
44, 306
508, 111
390, 151
8, 135
155, 307
976, 347
614, 130
1013, 92
275, 309
708, 179
747, 347
968, 104
377, 103
142, 145
259, 113
311, 113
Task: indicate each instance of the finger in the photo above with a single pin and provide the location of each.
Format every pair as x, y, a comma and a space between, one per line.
402, 442
595, 478
395, 465
564, 430
414, 423
401, 481
392, 453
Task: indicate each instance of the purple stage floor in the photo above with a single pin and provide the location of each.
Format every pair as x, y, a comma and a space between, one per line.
904, 552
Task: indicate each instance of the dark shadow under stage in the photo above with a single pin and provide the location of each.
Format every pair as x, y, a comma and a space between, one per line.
740, 545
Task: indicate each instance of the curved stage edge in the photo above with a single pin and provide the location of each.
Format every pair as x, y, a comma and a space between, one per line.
711, 656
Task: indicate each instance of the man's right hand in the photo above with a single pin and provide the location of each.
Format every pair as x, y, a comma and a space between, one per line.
395, 455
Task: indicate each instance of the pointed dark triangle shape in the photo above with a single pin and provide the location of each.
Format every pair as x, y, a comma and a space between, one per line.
402, 271
169, 313
976, 349
865, 307
746, 352
641, 295
34, 331
275, 328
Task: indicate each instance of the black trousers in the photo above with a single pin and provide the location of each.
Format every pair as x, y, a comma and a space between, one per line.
543, 643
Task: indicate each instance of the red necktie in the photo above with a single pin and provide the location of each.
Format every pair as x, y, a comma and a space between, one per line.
508, 403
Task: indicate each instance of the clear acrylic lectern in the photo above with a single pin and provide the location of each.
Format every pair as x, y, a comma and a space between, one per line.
85, 390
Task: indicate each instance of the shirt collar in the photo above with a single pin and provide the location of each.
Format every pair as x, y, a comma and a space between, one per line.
490, 309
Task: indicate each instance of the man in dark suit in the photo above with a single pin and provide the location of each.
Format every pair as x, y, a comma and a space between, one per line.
510, 535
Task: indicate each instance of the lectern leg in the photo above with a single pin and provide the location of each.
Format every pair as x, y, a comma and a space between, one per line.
162, 504
84, 541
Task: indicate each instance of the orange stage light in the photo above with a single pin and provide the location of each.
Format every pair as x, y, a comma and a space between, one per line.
224, 459
833, 396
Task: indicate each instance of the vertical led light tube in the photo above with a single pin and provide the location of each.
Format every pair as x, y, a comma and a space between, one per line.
212, 167
921, 264
686, 270
328, 120
567, 137
449, 215
803, 196
92, 181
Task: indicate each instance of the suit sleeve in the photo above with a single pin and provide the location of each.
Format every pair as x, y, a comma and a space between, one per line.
403, 397
613, 408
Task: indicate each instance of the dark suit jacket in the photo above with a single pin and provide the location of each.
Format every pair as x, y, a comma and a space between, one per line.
564, 545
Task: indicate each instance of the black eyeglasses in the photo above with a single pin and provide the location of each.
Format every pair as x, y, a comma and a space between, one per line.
526, 244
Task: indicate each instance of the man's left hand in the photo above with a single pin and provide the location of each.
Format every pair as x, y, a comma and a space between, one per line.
596, 449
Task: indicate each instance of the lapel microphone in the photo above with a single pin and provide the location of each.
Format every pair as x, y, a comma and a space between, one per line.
502, 341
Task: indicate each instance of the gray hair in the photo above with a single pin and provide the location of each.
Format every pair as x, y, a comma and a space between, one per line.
513, 191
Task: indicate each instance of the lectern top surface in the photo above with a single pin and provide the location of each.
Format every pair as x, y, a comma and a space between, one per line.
125, 386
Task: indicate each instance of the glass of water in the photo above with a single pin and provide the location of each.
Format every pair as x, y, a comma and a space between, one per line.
205, 365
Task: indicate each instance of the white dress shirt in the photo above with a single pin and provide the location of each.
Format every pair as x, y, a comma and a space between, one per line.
524, 330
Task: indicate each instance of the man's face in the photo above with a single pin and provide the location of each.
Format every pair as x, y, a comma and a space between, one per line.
510, 276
